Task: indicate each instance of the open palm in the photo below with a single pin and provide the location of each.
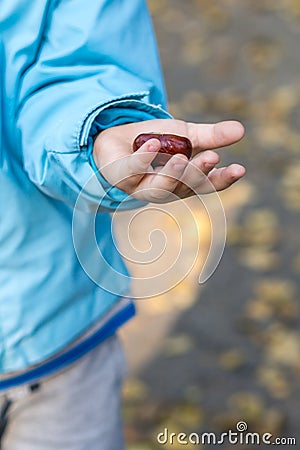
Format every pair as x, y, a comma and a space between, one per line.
179, 178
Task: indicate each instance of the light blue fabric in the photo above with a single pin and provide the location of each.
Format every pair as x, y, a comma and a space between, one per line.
67, 70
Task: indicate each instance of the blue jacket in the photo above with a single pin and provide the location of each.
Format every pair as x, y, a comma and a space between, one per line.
68, 69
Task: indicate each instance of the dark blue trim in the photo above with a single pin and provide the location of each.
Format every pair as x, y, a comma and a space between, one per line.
72, 355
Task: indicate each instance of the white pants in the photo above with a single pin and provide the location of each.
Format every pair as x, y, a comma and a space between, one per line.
79, 409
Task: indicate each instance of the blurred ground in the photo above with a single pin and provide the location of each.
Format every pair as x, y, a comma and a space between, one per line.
202, 359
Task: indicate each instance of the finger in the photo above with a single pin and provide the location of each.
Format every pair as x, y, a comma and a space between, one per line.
224, 177
164, 182
140, 161
132, 168
196, 172
199, 167
212, 136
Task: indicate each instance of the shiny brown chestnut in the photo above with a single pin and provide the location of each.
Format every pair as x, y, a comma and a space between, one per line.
171, 144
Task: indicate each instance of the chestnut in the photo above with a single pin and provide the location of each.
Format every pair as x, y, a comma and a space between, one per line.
171, 144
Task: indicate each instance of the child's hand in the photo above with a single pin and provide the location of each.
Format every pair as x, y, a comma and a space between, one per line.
133, 173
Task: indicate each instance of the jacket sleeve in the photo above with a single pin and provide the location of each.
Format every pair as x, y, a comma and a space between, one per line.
97, 66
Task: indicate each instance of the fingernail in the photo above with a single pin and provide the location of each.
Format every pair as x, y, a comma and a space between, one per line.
209, 166
154, 146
